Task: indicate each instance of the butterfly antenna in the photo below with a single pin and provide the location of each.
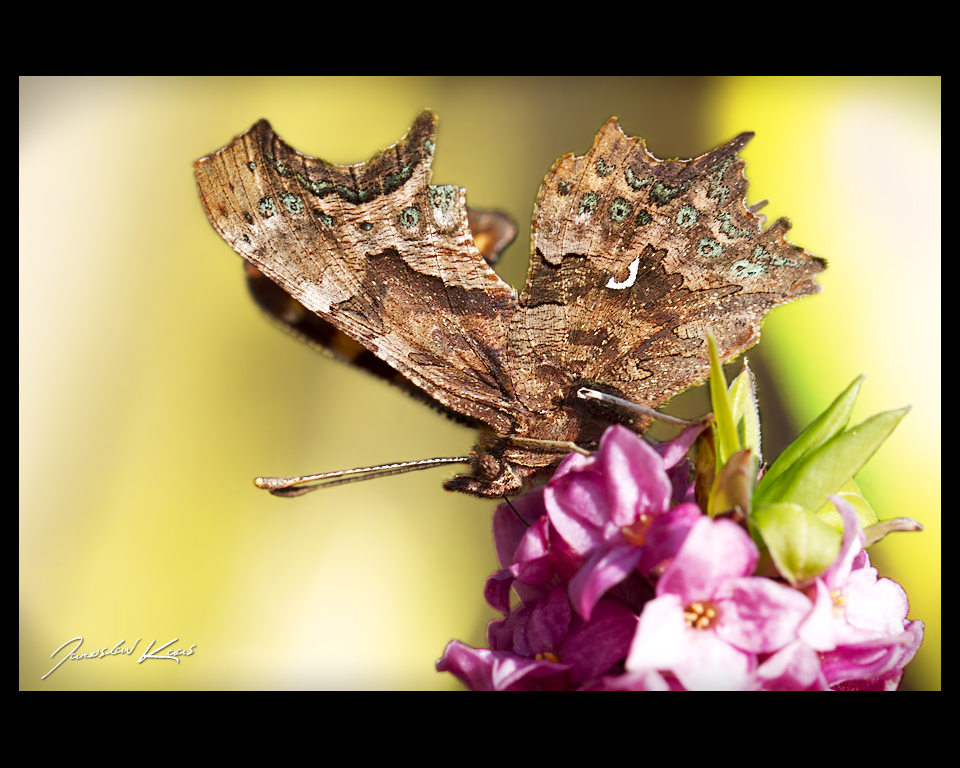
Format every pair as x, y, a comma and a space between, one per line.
585, 393
288, 487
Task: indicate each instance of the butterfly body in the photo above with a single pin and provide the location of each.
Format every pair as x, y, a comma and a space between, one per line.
634, 259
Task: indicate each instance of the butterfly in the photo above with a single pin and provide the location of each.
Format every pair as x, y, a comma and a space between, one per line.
634, 259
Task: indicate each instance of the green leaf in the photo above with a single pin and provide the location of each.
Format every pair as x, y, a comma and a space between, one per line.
826, 426
800, 544
746, 416
727, 442
849, 492
809, 481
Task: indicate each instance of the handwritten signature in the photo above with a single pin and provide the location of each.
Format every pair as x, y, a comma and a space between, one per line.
171, 655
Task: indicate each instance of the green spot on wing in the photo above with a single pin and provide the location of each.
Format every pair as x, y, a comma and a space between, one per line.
318, 188
267, 207
635, 182
727, 227
717, 188
662, 193
603, 169
588, 203
394, 181
409, 217
620, 210
354, 196
746, 268
442, 196
293, 203
281, 169
709, 248
762, 255
687, 216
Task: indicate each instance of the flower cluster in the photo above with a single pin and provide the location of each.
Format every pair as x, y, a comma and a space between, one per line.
624, 582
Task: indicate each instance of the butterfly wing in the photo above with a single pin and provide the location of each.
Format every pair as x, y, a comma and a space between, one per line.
377, 252
635, 259
492, 232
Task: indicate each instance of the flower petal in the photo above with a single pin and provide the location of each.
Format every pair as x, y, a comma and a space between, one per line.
874, 607
697, 657
672, 452
531, 562
632, 681
593, 498
660, 641
577, 506
758, 614
820, 629
484, 670
636, 478
605, 569
665, 537
508, 529
593, 647
836, 575
497, 591
548, 623
713, 551
876, 664
796, 667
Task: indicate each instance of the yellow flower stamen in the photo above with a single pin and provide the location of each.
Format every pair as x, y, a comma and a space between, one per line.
700, 615
636, 534
838, 602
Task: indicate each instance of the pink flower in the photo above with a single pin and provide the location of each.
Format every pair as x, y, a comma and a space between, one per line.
542, 645
858, 622
711, 617
604, 505
481, 669
796, 667
623, 584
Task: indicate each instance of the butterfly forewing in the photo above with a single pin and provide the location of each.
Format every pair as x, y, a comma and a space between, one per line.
492, 232
636, 258
379, 253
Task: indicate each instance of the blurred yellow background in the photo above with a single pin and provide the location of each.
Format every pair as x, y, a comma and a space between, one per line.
152, 391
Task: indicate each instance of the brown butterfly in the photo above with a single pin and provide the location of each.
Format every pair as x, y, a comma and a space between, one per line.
634, 260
